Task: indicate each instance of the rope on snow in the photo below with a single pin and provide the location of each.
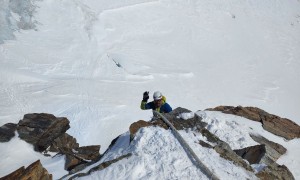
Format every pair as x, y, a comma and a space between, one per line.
194, 158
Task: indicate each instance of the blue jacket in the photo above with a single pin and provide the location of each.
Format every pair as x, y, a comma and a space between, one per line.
164, 108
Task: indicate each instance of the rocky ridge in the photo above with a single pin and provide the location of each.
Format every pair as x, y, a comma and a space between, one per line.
279, 126
47, 133
33, 171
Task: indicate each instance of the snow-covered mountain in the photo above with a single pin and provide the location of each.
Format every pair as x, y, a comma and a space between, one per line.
90, 61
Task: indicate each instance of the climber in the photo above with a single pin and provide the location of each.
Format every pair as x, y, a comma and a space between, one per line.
158, 104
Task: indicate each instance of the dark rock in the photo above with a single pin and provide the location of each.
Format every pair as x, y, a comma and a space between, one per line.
209, 136
41, 129
7, 131
88, 152
279, 126
64, 142
81, 155
275, 171
265, 154
173, 117
33, 171
227, 153
253, 154
178, 123
72, 162
204, 144
112, 143
273, 150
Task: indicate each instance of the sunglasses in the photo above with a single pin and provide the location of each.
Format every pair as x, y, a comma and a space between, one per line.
158, 100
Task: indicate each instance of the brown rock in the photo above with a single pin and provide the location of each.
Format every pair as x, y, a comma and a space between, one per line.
35, 171
72, 162
64, 142
88, 152
80, 156
17, 174
134, 127
275, 171
41, 129
279, 126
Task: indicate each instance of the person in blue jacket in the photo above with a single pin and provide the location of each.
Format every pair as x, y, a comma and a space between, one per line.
158, 104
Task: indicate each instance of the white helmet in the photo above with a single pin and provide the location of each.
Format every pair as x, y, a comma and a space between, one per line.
157, 95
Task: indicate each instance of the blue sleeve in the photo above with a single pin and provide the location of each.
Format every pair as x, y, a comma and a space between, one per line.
167, 108
145, 105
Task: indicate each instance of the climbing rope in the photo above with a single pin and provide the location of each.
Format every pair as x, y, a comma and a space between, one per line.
188, 149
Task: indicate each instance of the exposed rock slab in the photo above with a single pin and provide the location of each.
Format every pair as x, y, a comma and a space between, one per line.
80, 156
41, 129
7, 131
33, 171
273, 150
253, 154
275, 171
47, 133
64, 142
279, 126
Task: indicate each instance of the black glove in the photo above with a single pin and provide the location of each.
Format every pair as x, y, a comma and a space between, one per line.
146, 96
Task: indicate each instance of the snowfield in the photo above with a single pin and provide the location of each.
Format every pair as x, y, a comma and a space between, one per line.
91, 61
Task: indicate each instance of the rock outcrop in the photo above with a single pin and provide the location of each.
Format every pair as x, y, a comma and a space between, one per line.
194, 122
173, 117
7, 131
33, 171
275, 171
134, 127
253, 154
279, 126
41, 129
267, 152
64, 142
259, 155
47, 133
81, 156
273, 150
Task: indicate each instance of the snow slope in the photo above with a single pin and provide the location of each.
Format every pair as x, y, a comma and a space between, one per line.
200, 54
157, 154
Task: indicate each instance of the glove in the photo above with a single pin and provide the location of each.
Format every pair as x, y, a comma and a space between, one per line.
146, 96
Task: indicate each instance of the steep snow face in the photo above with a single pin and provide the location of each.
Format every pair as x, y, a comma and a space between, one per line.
91, 60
